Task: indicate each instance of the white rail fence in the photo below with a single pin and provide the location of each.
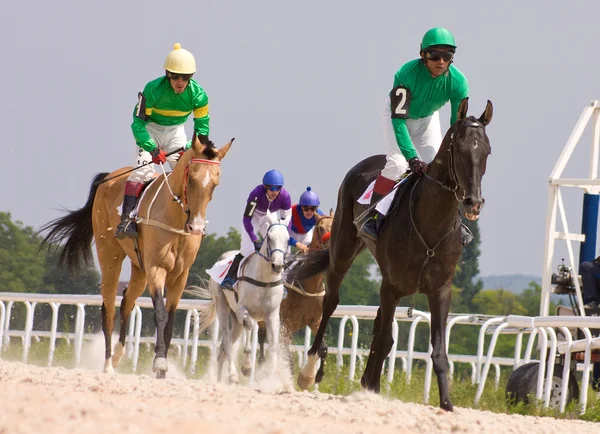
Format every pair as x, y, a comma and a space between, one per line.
480, 364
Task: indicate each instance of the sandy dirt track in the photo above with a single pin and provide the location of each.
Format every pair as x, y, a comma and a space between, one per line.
58, 400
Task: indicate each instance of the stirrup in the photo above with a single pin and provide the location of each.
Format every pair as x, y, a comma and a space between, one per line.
126, 229
369, 229
228, 283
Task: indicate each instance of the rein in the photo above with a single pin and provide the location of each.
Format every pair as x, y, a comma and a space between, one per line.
430, 250
452, 171
183, 203
270, 252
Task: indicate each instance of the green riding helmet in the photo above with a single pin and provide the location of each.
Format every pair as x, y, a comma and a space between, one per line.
437, 36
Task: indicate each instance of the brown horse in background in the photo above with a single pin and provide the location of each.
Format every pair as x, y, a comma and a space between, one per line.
172, 215
303, 304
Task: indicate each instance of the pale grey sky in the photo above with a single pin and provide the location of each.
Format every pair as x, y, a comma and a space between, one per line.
300, 85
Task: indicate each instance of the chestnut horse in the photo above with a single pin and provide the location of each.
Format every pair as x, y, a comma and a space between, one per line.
171, 222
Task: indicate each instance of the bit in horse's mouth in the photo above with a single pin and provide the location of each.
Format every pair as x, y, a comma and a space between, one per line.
471, 217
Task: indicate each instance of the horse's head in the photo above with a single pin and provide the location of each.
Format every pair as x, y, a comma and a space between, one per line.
461, 162
202, 173
275, 244
322, 231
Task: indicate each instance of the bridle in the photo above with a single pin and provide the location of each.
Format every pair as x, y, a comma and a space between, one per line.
452, 166
270, 251
184, 203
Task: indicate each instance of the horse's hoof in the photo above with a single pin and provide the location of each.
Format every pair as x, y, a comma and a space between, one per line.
160, 364
118, 353
161, 375
246, 371
233, 379
108, 367
447, 406
319, 376
261, 360
304, 381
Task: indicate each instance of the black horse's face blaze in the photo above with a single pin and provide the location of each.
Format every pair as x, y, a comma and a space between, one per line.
470, 148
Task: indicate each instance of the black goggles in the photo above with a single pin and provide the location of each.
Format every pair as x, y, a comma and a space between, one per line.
184, 77
436, 56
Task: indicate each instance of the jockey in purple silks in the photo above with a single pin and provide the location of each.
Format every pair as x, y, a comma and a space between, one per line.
268, 196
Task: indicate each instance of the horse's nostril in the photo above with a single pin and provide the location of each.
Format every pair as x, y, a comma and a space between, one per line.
468, 201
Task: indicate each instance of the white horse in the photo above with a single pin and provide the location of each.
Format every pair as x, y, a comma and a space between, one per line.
257, 298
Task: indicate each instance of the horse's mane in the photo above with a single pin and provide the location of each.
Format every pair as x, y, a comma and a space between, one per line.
210, 151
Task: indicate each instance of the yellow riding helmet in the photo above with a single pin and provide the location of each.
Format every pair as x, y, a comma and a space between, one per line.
180, 61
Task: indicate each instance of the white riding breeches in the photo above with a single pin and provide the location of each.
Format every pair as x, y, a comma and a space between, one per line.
168, 139
260, 225
305, 239
426, 135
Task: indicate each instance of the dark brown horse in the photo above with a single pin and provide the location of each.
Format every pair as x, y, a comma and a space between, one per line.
303, 304
419, 243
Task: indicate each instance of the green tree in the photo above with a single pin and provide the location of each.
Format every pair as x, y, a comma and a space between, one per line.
468, 269
22, 269
358, 286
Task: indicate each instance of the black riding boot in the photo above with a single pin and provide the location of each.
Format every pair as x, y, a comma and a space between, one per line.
371, 226
127, 228
231, 277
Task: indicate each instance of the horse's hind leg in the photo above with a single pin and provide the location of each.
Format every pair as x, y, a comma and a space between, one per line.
382, 337
439, 305
137, 284
110, 258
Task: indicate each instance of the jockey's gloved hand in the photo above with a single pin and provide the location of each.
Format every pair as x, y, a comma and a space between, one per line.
158, 156
205, 140
417, 166
257, 245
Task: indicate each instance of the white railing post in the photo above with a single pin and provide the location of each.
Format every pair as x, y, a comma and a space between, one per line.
53, 329
79, 330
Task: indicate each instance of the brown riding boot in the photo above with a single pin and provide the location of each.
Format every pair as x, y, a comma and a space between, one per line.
128, 228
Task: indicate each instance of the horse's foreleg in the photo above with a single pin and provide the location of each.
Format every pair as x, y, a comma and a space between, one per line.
109, 294
156, 283
248, 324
382, 338
439, 305
272, 322
136, 287
308, 372
262, 337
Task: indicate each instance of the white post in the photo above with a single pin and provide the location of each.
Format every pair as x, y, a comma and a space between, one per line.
53, 329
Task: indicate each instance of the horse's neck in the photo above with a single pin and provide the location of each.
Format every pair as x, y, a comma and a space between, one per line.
435, 207
164, 208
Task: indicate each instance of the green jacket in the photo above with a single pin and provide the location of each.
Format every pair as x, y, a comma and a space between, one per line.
165, 107
429, 94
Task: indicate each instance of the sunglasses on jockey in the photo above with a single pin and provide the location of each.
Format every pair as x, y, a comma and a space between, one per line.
309, 208
184, 77
436, 56
273, 187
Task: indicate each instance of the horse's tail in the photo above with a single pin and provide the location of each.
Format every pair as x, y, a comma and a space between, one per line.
207, 312
75, 229
317, 261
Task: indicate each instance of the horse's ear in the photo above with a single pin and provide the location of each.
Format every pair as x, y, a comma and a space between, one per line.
486, 116
196, 145
462, 109
330, 212
225, 149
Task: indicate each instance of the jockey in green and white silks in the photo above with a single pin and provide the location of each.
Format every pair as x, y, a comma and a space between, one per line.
158, 126
410, 117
